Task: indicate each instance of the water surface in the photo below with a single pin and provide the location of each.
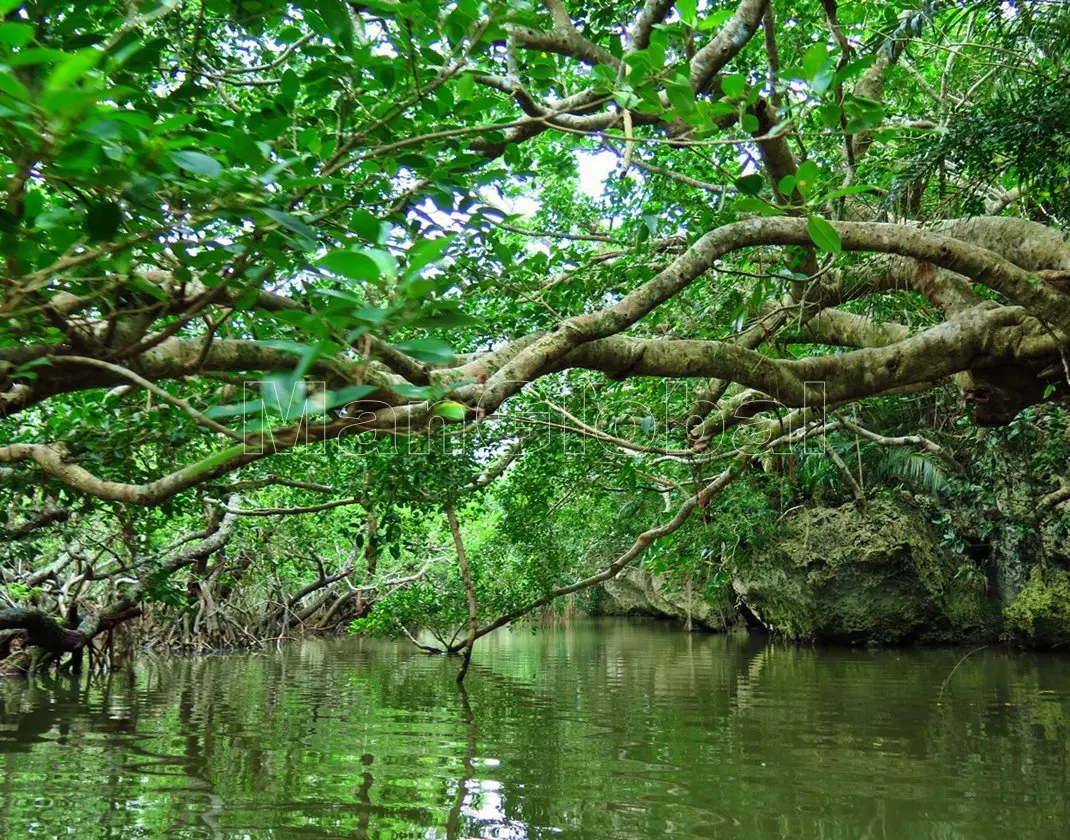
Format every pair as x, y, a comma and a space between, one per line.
598, 729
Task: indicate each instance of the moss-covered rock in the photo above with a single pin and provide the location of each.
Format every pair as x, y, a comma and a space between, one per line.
1040, 615
874, 576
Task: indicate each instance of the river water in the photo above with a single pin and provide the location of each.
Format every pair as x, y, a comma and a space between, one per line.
596, 729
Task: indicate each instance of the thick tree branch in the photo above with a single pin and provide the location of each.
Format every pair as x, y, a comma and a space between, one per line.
653, 12
965, 341
978, 264
732, 38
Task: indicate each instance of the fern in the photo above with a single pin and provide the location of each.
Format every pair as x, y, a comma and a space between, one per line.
916, 469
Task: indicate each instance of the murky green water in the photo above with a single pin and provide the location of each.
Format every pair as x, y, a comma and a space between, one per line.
601, 729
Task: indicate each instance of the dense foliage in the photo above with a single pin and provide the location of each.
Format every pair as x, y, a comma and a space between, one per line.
409, 316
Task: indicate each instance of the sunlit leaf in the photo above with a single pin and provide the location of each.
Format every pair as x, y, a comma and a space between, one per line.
823, 234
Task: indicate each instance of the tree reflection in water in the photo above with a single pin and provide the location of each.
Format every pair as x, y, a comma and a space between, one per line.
598, 729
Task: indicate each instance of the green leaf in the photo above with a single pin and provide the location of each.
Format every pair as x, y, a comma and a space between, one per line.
71, 69
465, 87
425, 252
681, 96
366, 226
733, 86
715, 20
197, 163
339, 20
450, 410
750, 184
140, 284
15, 35
757, 205
284, 394
854, 68
13, 87
31, 56
298, 348
862, 113
442, 316
823, 234
823, 79
103, 220
356, 265
25, 368
291, 223
718, 108
829, 115
411, 392
372, 315
806, 176
290, 84
814, 60
429, 350
245, 149
140, 189
388, 266
344, 396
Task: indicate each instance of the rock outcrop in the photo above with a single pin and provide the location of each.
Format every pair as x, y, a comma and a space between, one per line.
638, 592
881, 575
1040, 615
841, 574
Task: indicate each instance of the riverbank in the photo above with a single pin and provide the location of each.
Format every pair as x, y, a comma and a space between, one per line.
875, 574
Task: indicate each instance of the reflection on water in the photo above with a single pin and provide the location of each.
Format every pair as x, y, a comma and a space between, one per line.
599, 729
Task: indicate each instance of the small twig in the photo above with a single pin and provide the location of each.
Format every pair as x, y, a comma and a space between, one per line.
953, 670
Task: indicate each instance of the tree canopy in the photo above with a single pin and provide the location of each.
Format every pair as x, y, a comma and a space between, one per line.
556, 263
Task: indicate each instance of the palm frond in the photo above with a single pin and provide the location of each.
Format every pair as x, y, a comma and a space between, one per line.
917, 470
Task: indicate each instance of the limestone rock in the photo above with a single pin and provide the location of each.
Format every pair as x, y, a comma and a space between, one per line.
874, 576
636, 591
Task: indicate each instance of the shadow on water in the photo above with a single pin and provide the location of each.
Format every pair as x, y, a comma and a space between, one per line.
595, 729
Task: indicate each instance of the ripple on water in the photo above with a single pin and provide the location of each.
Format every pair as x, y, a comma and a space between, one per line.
599, 729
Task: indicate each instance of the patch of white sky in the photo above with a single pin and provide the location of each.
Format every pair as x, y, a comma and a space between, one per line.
592, 168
